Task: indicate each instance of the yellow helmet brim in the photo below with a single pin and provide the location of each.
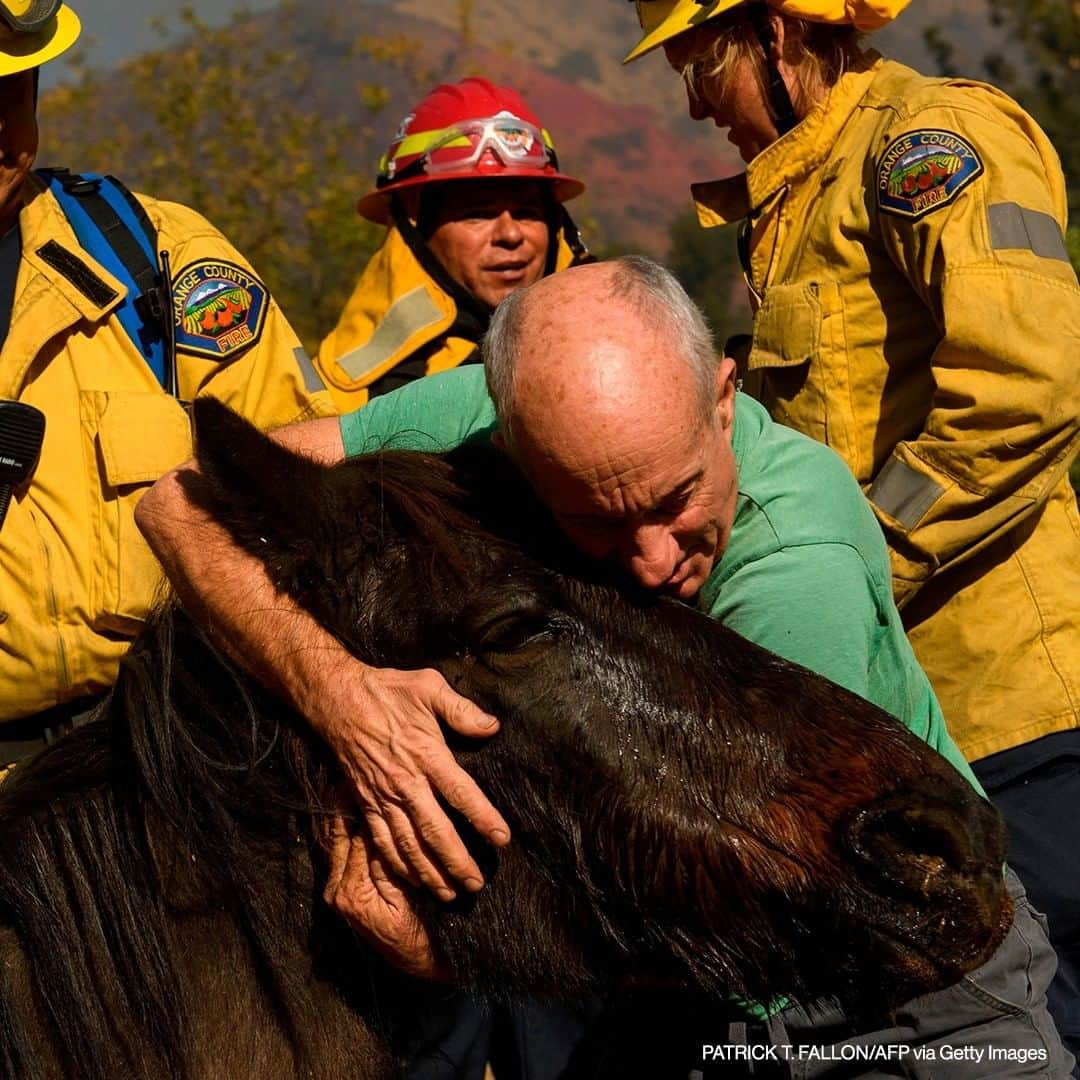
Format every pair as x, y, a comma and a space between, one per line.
21, 52
661, 20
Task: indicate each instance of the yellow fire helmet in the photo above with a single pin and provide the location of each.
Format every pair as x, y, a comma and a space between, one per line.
32, 32
661, 20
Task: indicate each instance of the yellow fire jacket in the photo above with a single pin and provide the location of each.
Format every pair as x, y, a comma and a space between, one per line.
76, 577
916, 310
397, 315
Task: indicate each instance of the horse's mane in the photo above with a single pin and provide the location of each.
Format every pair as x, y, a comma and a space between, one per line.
455, 504
191, 788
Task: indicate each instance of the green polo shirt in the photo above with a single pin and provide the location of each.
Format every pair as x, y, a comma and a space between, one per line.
805, 573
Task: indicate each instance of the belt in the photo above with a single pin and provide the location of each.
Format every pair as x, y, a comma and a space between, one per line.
22, 738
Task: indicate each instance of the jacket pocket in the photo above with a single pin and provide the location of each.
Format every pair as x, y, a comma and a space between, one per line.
134, 438
786, 348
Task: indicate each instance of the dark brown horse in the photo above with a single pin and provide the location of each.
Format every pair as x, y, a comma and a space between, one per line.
687, 808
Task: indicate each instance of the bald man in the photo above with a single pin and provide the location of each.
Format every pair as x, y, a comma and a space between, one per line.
602, 385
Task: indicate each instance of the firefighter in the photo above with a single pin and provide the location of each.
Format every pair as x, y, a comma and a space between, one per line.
76, 577
916, 309
472, 195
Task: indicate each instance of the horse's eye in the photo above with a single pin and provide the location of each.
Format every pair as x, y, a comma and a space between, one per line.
513, 631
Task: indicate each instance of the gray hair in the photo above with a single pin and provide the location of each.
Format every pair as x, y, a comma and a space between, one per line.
654, 292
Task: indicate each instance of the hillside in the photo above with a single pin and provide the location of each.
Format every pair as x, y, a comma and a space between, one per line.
554, 37
637, 157
624, 130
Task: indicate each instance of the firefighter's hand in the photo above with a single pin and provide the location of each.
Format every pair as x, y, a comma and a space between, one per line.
384, 728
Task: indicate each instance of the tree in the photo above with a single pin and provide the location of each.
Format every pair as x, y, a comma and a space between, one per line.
706, 262
236, 122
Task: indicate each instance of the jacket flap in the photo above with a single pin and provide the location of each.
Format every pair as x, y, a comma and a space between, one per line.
142, 436
787, 327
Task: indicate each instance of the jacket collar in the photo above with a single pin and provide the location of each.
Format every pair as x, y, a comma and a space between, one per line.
47, 303
41, 222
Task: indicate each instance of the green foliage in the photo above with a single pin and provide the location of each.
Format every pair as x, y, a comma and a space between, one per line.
1046, 34
940, 48
229, 122
1072, 244
706, 262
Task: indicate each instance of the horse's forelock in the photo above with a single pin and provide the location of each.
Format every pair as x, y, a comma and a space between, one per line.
434, 506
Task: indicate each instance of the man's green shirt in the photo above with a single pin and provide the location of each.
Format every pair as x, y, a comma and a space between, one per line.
805, 573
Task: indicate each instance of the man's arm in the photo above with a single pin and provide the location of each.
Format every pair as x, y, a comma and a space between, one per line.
264, 374
383, 724
812, 605
816, 605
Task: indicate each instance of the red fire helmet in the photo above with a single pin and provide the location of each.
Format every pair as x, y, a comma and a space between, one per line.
466, 131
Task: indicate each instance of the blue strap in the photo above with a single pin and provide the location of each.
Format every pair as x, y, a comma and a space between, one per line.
108, 229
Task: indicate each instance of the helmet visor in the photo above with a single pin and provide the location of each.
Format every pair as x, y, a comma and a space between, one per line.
28, 16
462, 147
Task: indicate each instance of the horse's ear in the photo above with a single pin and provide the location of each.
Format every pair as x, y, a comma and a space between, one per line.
266, 496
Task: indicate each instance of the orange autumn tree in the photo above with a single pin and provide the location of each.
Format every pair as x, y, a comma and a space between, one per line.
271, 144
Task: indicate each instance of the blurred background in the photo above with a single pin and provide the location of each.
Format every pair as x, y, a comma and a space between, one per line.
269, 117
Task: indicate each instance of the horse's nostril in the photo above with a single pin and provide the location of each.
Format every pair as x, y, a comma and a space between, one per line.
934, 875
930, 832
915, 846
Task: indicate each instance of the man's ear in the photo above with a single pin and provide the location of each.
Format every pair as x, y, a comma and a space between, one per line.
725, 393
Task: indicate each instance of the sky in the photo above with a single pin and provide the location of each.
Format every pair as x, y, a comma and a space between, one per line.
116, 29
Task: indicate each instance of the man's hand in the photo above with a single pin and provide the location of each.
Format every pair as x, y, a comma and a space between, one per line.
383, 726
374, 904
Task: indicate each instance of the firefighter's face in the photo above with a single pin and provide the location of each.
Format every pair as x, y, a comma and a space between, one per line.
18, 141
736, 102
490, 235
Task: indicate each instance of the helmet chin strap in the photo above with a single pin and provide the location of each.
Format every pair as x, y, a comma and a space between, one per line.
779, 98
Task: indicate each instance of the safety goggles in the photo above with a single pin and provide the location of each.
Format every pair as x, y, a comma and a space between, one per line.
28, 16
515, 144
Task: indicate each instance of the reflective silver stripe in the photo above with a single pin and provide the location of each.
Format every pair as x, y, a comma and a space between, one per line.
411, 313
312, 379
1014, 226
903, 493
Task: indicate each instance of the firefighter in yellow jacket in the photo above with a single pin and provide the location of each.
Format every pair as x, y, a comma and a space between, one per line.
472, 194
915, 308
76, 577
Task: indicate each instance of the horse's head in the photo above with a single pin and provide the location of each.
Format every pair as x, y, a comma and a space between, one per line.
685, 805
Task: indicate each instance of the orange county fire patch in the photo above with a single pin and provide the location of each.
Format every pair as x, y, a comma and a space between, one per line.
924, 170
219, 308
